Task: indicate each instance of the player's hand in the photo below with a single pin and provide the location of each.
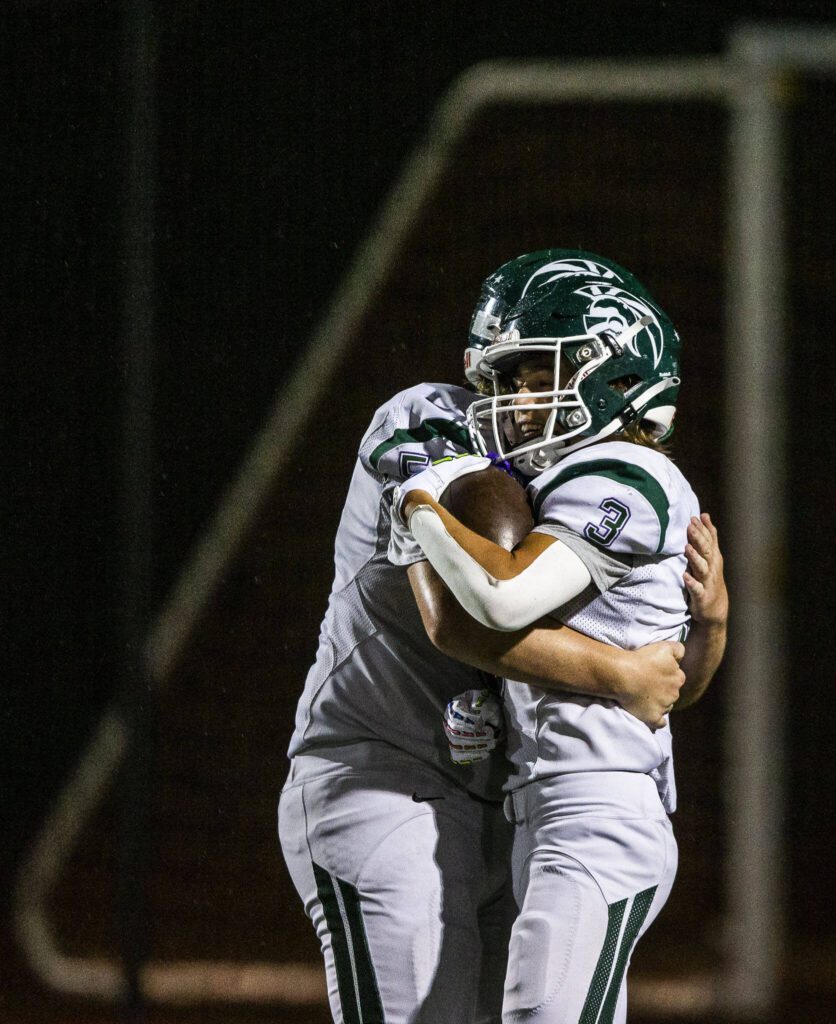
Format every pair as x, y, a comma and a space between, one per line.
474, 726
708, 597
433, 481
652, 682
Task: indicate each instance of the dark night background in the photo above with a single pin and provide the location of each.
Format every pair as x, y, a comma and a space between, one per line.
280, 130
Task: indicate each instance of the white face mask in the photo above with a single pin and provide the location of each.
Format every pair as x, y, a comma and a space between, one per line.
499, 423
495, 422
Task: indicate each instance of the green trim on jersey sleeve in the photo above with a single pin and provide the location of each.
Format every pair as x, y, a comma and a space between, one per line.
425, 431
626, 473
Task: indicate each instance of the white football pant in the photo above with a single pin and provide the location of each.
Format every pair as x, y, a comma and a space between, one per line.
406, 879
594, 862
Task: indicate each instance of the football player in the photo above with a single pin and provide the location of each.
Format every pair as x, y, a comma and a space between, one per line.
584, 374
400, 857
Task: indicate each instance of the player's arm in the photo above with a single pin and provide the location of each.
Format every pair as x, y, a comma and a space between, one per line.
496, 560
550, 655
709, 603
504, 590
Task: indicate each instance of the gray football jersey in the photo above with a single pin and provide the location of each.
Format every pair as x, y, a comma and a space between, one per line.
377, 682
624, 510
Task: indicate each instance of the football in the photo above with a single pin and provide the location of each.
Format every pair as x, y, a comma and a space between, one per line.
490, 503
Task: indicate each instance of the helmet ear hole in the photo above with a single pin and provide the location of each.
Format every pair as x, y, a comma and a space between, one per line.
623, 384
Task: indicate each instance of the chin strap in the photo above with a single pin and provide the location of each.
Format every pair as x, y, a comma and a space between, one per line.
617, 342
628, 415
630, 412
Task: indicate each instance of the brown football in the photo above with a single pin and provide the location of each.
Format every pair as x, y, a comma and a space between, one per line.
492, 504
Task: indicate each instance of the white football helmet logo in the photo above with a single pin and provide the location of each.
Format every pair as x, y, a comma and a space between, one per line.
558, 269
613, 311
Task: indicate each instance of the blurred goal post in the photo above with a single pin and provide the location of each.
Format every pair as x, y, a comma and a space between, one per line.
747, 84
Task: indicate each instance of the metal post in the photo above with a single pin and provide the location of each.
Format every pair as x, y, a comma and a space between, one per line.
755, 473
139, 66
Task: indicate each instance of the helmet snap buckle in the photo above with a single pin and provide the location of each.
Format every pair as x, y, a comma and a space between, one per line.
628, 414
614, 345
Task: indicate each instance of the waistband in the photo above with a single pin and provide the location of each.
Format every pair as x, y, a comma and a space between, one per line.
366, 757
375, 758
593, 794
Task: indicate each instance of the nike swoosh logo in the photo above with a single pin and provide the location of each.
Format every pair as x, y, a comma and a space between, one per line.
423, 799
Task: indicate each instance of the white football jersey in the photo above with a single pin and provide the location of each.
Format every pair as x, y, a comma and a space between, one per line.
624, 510
378, 682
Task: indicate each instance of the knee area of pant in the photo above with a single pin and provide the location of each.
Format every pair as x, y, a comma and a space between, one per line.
554, 946
529, 959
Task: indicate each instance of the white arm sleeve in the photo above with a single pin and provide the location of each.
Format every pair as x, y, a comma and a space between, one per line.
553, 578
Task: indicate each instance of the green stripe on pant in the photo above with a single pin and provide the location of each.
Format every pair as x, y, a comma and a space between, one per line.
598, 985
635, 919
606, 981
356, 981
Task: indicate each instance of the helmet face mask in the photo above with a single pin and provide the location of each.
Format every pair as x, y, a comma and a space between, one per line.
604, 333
497, 418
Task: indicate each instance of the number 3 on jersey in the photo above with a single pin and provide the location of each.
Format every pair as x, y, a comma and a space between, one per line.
612, 523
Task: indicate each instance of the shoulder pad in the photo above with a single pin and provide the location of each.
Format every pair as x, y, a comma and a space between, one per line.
617, 505
416, 427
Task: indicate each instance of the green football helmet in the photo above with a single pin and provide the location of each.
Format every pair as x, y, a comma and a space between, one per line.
614, 354
504, 288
